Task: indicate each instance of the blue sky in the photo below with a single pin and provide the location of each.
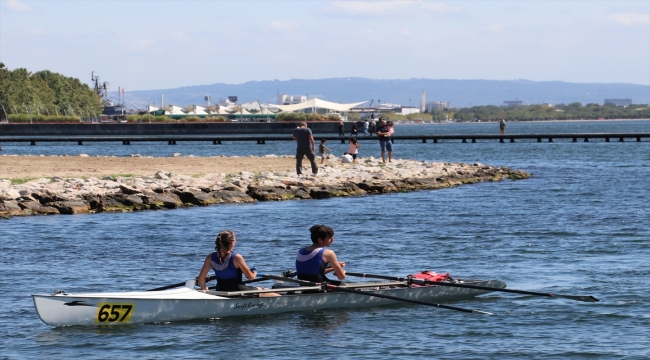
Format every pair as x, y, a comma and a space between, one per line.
143, 45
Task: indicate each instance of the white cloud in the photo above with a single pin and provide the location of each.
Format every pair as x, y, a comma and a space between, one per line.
629, 18
15, 5
388, 8
282, 26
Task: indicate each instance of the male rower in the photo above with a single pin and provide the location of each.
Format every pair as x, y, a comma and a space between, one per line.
312, 261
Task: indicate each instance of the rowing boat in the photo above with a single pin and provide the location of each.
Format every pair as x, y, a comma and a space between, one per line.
187, 303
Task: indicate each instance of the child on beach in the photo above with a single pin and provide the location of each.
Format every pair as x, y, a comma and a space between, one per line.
321, 150
353, 149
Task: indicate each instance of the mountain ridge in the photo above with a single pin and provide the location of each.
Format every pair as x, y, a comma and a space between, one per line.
460, 93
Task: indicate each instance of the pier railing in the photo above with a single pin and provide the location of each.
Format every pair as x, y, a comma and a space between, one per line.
262, 139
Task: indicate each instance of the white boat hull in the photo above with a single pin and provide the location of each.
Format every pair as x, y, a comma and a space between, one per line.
188, 304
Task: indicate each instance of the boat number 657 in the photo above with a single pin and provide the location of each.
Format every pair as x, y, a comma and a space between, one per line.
114, 312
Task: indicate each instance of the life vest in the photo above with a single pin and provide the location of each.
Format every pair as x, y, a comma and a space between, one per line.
429, 276
228, 276
310, 265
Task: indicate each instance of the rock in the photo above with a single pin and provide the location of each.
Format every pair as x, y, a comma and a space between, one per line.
167, 200
48, 210
9, 194
5, 184
83, 155
177, 154
131, 200
25, 193
196, 198
269, 193
9, 208
71, 207
129, 190
161, 175
29, 205
225, 196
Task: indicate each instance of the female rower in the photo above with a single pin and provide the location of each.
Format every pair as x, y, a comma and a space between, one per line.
312, 261
228, 266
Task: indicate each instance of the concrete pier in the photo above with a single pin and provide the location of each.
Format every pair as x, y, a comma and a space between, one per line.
262, 139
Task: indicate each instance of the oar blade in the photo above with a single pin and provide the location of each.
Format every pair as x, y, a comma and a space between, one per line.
482, 312
585, 298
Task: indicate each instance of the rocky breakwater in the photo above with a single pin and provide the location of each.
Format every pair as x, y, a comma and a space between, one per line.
167, 190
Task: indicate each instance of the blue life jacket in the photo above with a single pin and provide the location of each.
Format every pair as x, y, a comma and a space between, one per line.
310, 265
228, 276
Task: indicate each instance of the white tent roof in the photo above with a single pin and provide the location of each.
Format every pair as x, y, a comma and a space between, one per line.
173, 110
317, 103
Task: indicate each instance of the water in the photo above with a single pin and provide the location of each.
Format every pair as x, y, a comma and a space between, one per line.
578, 226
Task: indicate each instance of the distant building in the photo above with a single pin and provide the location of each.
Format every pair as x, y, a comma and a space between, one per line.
432, 105
405, 110
285, 99
619, 102
547, 104
513, 103
228, 102
423, 102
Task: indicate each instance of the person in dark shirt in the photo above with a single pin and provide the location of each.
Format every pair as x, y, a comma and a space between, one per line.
384, 132
305, 147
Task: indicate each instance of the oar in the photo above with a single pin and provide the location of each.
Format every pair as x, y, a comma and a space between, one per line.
206, 280
585, 298
179, 284
367, 293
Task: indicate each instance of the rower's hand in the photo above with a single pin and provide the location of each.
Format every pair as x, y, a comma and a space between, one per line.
342, 264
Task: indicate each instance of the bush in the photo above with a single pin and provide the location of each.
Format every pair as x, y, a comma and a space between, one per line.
25, 118
147, 118
298, 117
216, 118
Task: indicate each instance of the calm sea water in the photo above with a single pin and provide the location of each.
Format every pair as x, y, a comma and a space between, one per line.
580, 225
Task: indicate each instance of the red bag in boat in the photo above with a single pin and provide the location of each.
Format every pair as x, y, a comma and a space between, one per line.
430, 276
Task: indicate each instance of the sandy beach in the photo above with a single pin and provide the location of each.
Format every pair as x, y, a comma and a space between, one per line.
34, 167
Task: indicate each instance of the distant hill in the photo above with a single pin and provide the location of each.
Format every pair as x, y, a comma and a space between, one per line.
461, 93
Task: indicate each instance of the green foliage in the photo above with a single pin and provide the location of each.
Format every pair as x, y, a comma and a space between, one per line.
354, 117
216, 118
147, 117
399, 117
297, 117
25, 118
573, 111
46, 96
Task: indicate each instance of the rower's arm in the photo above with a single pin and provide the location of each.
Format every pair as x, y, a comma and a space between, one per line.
330, 257
204, 273
240, 264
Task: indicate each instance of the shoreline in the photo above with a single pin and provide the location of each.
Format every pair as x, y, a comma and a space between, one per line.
82, 184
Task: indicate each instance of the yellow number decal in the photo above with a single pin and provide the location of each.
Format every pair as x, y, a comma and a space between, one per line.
114, 312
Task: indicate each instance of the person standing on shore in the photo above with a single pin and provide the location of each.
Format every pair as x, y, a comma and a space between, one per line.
341, 129
305, 147
384, 133
366, 124
355, 129
502, 126
372, 127
321, 150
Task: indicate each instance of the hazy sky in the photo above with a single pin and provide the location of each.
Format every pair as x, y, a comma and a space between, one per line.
142, 45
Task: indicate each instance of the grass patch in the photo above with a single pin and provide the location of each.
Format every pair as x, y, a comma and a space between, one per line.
21, 180
113, 177
197, 175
